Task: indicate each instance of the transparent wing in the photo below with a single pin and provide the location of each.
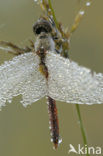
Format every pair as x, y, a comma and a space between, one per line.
21, 76
72, 83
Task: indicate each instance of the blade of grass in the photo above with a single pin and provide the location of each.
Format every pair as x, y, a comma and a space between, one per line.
82, 127
53, 13
80, 15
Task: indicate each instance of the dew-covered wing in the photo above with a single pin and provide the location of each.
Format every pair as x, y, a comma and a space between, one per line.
72, 83
21, 77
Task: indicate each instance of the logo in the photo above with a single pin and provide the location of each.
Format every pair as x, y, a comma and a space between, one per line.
84, 149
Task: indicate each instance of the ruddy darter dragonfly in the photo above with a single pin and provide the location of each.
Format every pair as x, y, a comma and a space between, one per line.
43, 72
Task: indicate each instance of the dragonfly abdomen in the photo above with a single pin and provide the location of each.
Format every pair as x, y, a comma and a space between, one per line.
53, 118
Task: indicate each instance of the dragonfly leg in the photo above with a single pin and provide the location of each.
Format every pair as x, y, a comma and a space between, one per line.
14, 49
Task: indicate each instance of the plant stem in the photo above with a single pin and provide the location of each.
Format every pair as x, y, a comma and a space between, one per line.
53, 13
82, 127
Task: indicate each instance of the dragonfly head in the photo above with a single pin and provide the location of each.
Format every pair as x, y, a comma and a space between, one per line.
42, 26
43, 29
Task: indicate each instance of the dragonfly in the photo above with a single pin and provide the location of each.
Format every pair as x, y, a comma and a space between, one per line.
41, 71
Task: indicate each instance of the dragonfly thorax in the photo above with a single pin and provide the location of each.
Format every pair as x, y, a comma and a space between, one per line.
44, 41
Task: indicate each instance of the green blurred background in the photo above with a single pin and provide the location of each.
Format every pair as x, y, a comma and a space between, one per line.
24, 131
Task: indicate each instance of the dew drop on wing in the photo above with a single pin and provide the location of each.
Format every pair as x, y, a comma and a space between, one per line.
21, 76
9, 101
72, 83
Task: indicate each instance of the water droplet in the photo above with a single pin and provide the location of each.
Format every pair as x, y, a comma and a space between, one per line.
81, 12
49, 10
51, 140
53, 148
88, 4
51, 16
49, 122
36, 1
9, 100
60, 141
51, 134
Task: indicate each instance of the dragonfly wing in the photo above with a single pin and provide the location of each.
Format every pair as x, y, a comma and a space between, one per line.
20, 76
72, 83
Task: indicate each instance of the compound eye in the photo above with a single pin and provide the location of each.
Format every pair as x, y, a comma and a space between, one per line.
40, 29
55, 38
42, 26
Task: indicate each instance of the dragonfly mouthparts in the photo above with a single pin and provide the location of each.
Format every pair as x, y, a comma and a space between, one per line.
42, 26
